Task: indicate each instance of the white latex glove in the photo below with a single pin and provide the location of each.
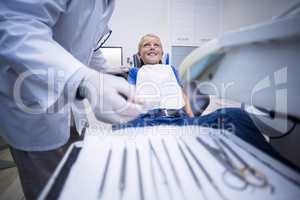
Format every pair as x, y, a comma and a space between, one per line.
108, 96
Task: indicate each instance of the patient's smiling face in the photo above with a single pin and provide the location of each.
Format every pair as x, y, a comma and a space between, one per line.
150, 49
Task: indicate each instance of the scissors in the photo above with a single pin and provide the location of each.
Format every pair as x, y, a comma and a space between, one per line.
255, 177
235, 177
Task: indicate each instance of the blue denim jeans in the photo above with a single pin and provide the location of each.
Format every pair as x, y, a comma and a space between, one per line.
234, 120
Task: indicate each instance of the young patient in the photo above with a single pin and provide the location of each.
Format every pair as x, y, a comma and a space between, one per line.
157, 85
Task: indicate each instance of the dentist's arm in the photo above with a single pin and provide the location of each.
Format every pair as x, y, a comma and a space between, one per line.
27, 46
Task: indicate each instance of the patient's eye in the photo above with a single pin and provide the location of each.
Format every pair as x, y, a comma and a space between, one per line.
146, 45
157, 45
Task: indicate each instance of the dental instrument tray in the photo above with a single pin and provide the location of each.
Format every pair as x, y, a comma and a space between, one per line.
169, 162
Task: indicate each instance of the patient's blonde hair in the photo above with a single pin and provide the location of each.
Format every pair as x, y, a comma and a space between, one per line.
143, 38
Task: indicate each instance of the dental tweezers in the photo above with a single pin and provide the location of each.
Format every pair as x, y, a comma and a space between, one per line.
205, 172
140, 178
153, 175
103, 181
163, 172
172, 167
197, 181
122, 182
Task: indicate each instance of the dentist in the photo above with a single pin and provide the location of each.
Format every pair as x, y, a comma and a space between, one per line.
45, 48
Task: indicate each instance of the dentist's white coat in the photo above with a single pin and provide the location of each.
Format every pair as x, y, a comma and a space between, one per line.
51, 41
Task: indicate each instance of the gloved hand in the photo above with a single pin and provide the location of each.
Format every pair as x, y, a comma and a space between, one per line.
108, 97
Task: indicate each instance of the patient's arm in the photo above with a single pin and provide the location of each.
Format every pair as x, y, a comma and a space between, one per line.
187, 107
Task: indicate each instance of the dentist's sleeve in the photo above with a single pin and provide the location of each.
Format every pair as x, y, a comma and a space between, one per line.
26, 44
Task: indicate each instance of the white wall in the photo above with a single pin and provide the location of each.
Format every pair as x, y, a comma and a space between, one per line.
238, 13
135, 18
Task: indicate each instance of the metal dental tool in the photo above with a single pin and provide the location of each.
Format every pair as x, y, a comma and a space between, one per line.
173, 167
140, 178
262, 179
231, 170
226, 162
153, 174
160, 166
103, 181
122, 182
197, 181
205, 172
279, 172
